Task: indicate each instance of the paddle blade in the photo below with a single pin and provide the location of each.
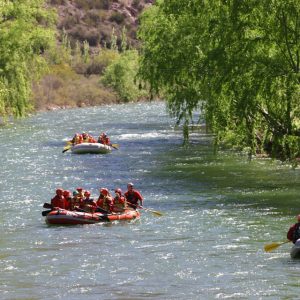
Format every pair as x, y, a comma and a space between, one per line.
154, 212
66, 148
157, 213
47, 205
116, 146
45, 212
273, 246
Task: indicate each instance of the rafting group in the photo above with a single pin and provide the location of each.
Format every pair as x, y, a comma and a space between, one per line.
80, 200
83, 143
88, 138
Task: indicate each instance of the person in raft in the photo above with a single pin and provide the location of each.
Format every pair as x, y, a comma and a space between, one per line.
294, 231
87, 138
80, 191
76, 201
68, 196
133, 196
88, 204
119, 203
104, 139
77, 139
59, 200
104, 202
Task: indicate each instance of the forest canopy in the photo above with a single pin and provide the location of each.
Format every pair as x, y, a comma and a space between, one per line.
237, 61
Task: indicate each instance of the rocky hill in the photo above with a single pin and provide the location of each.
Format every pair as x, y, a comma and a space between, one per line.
93, 20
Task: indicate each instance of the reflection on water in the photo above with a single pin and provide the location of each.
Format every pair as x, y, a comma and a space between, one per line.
219, 211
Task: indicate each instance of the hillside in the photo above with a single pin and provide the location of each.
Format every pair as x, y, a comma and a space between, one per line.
74, 82
93, 20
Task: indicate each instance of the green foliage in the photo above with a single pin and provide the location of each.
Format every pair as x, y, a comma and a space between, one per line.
236, 60
120, 75
113, 40
86, 54
24, 36
124, 40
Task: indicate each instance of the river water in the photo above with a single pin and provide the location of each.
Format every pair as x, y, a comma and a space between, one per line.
219, 211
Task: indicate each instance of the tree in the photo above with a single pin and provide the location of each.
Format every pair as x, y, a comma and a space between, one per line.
25, 33
120, 75
236, 60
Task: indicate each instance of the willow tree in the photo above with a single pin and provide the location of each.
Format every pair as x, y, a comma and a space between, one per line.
236, 60
25, 33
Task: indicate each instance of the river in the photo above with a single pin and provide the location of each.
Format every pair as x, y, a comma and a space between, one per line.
219, 210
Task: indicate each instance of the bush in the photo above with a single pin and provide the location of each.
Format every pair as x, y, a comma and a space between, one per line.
69, 22
82, 34
117, 17
92, 18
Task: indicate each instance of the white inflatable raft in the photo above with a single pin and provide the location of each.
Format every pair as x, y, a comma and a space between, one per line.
95, 148
295, 251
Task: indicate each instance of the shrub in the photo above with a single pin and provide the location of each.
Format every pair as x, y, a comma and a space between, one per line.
117, 17
82, 34
92, 17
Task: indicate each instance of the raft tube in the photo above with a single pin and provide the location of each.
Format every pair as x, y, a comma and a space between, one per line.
94, 148
295, 251
67, 217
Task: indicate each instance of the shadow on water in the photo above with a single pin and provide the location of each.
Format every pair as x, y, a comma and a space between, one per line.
230, 178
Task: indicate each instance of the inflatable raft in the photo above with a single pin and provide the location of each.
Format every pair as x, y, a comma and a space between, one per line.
67, 217
96, 148
295, 251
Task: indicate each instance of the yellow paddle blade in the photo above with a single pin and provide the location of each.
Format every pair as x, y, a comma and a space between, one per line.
66, 148
273, 246
155, 212
116, 146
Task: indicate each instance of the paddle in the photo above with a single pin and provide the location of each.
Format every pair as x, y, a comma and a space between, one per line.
47, 205
273, 246
98, 209
155, 212
46, 212
66, 148
116, 146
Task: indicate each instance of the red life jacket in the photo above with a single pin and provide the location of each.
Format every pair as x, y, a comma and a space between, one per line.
133, 197
105, 203
119, 204
294, 232
58, 201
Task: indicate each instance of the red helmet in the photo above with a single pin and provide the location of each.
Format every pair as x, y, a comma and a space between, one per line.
118, 191
104, 191
67, 193
79, 189
59, 192
87, 193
